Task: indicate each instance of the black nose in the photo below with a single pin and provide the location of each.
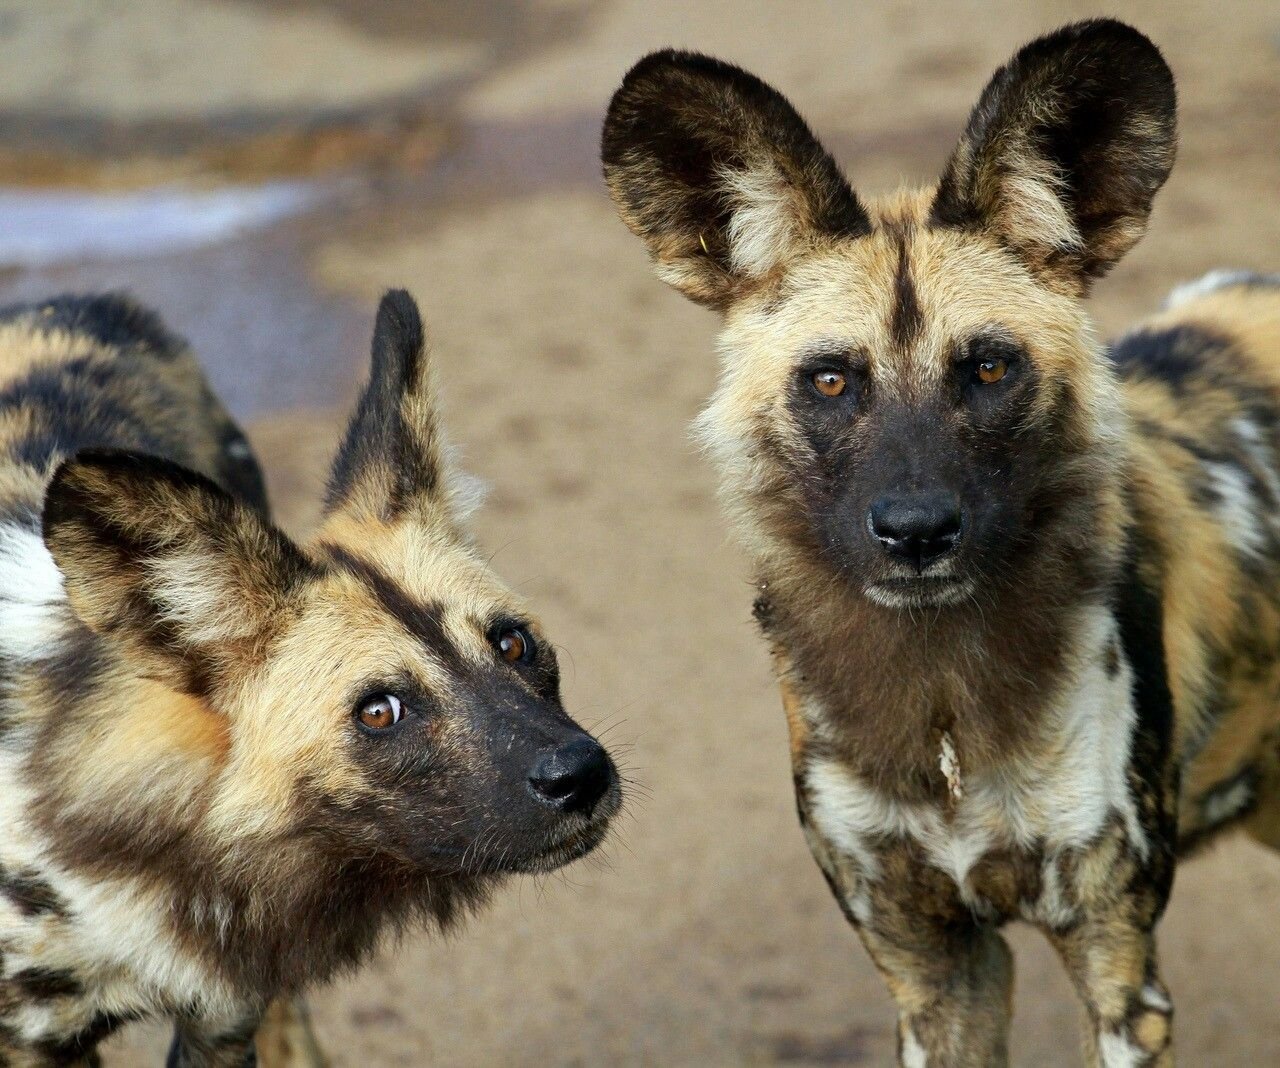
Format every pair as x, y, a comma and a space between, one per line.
574, 777
917, 527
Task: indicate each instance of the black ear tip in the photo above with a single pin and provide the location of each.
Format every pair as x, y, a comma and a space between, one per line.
1110, 29
399, 311
668, 65
398, 335
665, 60
655, 91
1123, 42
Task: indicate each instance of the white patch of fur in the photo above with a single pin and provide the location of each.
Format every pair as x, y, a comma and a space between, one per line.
1222, 805
1061, 802
853, 816
1115, 1050
1261, 456
930, 595
1088, 779
1051, 908
1214, 281
1236, 507
913, 1054
1032, 203
32, 596
201, 597
763, 224
464, 493
949, 765
1155, 998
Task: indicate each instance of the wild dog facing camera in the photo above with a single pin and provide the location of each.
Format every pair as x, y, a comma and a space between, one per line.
1015, 586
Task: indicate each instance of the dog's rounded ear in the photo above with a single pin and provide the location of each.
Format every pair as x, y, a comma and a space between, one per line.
1065, 151
719, 175
154, 556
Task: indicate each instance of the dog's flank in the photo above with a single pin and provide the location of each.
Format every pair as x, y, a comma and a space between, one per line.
230, 764
1021, 590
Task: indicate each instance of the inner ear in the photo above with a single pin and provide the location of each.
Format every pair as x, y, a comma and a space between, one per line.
159, 558
1065, 151
719, 175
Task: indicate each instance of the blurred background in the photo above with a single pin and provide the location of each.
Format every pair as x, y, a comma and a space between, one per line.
259, 170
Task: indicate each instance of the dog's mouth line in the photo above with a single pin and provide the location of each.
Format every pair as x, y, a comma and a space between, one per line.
569, 846
924, 591
573, 846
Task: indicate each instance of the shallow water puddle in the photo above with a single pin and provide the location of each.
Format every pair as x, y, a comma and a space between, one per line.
43, 227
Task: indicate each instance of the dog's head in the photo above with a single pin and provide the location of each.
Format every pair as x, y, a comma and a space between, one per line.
378, 692
910, 395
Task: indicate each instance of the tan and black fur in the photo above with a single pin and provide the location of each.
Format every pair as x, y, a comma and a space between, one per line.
208, 799
1021, 589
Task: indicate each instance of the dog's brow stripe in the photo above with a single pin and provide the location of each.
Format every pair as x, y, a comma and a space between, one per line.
424, 621
907, 321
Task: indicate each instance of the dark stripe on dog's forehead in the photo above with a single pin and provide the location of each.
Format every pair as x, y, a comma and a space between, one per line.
906, 321
424, 621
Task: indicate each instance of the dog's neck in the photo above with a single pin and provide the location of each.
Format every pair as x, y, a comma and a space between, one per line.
914, 701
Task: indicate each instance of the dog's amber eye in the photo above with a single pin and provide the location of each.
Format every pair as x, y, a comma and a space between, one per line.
513, 645
829, 383
991, 371
379, 713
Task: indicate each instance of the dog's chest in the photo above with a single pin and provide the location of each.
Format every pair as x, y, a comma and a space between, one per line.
1002, 839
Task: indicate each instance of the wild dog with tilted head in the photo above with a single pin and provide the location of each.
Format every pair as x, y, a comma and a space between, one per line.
1023, 592
230, 763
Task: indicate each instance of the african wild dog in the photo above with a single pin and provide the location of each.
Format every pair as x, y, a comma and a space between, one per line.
228, 762
1023, 593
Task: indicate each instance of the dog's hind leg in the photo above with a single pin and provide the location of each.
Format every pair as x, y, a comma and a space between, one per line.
285, 1038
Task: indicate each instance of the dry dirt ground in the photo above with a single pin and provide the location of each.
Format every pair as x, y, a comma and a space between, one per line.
704, 935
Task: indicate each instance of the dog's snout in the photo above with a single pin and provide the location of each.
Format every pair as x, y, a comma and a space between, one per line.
918, 528
573, 777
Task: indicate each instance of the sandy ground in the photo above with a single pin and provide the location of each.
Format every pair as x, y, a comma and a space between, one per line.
704, 935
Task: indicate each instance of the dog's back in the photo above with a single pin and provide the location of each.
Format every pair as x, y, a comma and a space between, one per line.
98, 371
1202, 380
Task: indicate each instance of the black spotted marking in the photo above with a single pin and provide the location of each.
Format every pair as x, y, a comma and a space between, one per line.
907, 320
1180, 356
193, 1047
239, 471
30, 894
46, 984
762, 612
1139, 611
75, 670
111, 319
81, 1048
82, 404
1225, 803
1111, 659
